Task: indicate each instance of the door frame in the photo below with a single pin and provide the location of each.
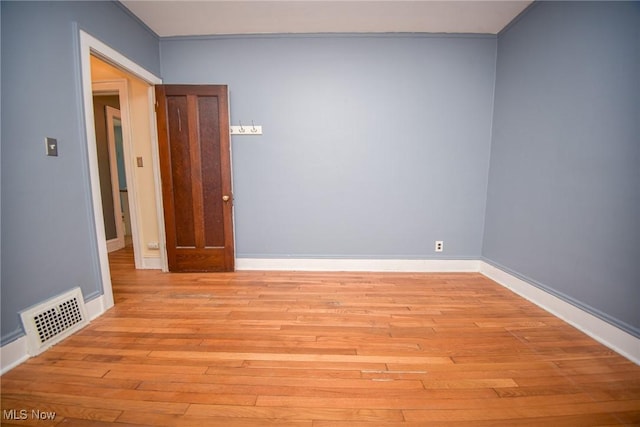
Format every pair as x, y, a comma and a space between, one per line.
89, 45
114, 176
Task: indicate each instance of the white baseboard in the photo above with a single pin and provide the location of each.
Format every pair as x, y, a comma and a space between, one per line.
151, 263
13, 354
96, 307
603, 332
373, 265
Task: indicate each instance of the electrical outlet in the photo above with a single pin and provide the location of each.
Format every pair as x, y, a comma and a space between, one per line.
439, 246
153, 245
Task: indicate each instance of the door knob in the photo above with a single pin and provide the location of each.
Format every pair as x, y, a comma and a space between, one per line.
225, 198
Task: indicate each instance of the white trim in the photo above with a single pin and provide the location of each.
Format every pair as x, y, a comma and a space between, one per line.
114, 57
115, 244
111, 115
13, 354
603, 332
155, 159
233, 209
96, 307
375, 265
151, 263
89, 45
85, 58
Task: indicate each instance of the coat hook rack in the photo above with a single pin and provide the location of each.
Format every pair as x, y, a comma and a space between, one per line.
241, 129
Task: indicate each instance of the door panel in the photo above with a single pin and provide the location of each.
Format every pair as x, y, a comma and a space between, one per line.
180, 164
211, 190
193, 135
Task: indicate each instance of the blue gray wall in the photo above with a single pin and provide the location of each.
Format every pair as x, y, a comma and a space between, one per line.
47, 221
563, 206
373, 146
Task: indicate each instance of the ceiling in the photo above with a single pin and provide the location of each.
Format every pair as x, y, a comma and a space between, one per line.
213, 17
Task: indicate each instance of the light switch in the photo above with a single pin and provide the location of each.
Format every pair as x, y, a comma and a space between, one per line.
139, 161
52, 146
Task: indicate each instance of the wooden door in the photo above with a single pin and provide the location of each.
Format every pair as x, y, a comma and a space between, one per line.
193, 137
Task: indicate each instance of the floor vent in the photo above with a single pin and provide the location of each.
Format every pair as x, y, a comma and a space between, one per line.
52, 321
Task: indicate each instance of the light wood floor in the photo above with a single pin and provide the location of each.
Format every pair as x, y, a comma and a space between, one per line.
316, 349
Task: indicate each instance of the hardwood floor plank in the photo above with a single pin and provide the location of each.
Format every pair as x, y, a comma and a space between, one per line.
470, 383
160, 420
513, 367
215, 356
43, 370
598, 420
436, 401
76, 422
156, 381
55, 378
324, 366
509, 412
306, 388
289, 371
295, 414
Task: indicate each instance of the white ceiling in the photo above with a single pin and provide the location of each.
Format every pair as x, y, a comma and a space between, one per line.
211, 17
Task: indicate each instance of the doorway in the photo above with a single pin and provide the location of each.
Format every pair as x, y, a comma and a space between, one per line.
111, 164
115, 141
137, 157
141, 162
114, 129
